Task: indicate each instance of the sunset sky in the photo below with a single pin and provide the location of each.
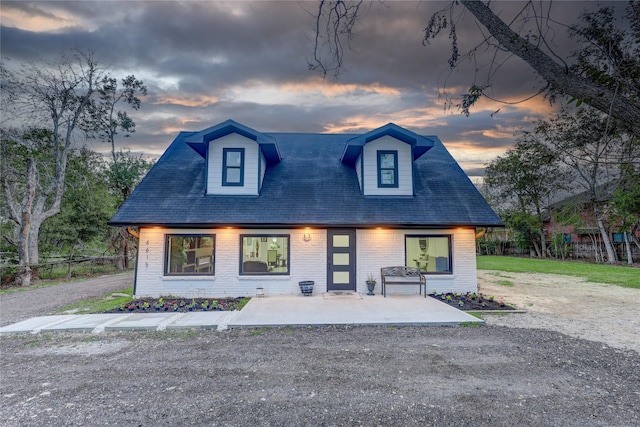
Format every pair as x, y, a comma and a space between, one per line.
205, 62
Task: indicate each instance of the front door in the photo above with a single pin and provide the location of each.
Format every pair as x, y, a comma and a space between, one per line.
341, 260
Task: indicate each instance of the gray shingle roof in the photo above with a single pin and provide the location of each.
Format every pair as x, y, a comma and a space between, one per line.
310, 186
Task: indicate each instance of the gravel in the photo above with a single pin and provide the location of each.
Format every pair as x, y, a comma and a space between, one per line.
330, 376
46, 300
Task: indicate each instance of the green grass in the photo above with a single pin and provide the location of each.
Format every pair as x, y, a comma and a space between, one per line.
508, 283
624, 276
100, 304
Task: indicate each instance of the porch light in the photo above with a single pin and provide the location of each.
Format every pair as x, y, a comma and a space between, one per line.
306, 237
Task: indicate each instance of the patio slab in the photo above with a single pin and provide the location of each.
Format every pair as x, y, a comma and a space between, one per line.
201, 320
35, 324
270, 311
84, 322
348, 309
144, 322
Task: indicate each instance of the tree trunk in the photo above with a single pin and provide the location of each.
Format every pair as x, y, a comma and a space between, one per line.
611, 254
536, 248
560, 78
24, 274
543, 243
627, 246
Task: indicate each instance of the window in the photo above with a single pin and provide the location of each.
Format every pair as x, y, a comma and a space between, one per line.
387, 169
264, 254
189, 254
431, 254
619, 237
233, 167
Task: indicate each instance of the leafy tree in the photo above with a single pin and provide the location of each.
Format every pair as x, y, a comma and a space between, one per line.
87, 205
125, 169
105, 118
529, 174
59, 96
605, 74
626, 204
527, 228
125, 172
592, 147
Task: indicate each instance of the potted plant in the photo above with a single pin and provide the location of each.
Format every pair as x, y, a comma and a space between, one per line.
371, 284
306, 287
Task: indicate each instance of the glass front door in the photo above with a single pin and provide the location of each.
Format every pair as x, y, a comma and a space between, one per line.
341, 260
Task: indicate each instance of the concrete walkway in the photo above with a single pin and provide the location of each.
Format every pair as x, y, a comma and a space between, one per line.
269, 311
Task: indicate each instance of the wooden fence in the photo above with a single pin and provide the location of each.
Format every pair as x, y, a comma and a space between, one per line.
575, 250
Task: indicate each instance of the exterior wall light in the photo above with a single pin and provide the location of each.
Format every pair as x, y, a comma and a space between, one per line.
306, 237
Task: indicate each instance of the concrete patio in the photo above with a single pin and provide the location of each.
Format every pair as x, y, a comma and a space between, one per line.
335, 308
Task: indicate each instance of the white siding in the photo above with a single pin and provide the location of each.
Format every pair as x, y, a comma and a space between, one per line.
214, 172
307, 262
359, 170
386, 248
405, 162
375, 249
263, 169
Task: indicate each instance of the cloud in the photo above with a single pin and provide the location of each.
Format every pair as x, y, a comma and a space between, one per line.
205, 62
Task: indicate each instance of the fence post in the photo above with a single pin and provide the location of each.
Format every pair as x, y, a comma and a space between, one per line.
69, 268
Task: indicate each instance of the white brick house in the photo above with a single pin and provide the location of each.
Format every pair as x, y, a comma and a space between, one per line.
229, 209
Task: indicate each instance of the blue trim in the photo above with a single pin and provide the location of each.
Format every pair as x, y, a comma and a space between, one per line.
413, 180
206, 170
379, 155
198, 141
225, 182
259, 172
419, 144
362, 180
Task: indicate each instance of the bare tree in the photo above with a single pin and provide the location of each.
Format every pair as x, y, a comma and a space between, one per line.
57, 96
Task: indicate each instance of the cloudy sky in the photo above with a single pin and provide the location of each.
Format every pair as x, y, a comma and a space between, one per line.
205, 62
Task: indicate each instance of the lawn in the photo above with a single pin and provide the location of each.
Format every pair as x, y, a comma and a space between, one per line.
100, 304
625, 276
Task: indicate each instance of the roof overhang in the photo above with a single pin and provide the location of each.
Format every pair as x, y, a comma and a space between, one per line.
419, 144
200, 141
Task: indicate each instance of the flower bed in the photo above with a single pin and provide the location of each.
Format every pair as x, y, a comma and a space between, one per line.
472, 301
170, 304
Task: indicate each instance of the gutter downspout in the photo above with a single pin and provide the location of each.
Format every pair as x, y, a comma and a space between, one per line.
133, 232
481, 233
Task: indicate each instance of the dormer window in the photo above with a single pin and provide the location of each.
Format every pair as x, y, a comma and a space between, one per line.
387, 169
233, 167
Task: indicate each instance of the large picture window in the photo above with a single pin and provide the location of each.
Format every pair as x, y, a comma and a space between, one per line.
191, 254
233, 167
264, 254
431, 254
387, 168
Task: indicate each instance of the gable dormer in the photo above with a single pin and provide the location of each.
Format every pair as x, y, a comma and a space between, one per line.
383, 159
236, 157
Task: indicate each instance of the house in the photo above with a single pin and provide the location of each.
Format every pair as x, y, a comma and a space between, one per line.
230, 209
571, 227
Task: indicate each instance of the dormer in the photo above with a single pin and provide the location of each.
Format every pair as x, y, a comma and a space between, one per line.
383, 159
236, 157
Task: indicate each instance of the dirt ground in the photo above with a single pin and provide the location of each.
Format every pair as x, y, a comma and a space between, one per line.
567, 361
566, 304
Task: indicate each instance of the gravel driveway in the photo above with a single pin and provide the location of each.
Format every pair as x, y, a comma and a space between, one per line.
43, 301
480, 376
